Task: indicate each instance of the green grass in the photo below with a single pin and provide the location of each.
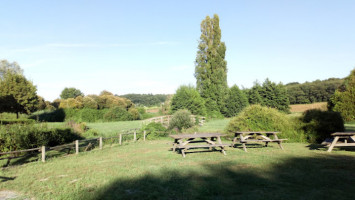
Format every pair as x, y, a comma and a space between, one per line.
149, 170
217, 125
108, 129
350, 126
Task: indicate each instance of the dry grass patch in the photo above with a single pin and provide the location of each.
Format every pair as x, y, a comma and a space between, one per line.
304, 107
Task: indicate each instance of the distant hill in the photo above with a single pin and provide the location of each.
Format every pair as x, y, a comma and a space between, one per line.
146, 99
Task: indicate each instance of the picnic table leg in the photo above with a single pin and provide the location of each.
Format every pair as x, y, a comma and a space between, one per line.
223, 151
244, 147
174, 145
280, 145
266, 143
183, 153
333, 143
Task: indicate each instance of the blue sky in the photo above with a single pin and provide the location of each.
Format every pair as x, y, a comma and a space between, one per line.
150, 46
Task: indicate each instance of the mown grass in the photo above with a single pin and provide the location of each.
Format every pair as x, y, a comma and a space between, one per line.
149, 170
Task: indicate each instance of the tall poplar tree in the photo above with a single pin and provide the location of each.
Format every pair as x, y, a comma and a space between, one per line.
210, 65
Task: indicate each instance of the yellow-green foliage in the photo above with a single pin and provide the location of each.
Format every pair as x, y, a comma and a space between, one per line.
259, 118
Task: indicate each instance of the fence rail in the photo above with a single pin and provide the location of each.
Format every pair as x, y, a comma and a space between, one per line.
71, 145
165, 120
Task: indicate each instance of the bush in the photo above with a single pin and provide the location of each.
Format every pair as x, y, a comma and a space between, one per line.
16, 121
17, 137
155, 130
187, 97
181, 119
320, 124
49, 116
91, 115
259, 118
117, 114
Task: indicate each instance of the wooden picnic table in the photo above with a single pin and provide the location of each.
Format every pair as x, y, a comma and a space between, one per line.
256, 136
342, 139
184, 142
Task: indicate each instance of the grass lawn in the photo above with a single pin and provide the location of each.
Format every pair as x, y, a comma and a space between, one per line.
149, 170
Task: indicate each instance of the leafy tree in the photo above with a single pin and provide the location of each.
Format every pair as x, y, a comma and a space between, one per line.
5, 67
310, 92
17, 94
210, 65
235, 102
187, 97
70, 93
344, 98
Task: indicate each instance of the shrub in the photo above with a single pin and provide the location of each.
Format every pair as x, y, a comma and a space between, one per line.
16, 121
320, 124
181, 119
187, 97
155, 130
135, 114
91, 115
236, 101
17, 137
117, 114
259, 118
49, 116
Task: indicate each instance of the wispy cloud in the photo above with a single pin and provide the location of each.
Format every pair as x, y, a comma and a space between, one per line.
102, 45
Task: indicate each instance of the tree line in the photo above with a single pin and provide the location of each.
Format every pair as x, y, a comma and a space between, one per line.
311, 92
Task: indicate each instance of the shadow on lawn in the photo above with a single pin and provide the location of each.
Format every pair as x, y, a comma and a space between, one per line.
325, 177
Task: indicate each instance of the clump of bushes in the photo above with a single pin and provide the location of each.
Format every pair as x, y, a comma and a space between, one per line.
155, 130
87, 115
16, 121
117, 114
181, 120
259, 118
17, 137
318, 124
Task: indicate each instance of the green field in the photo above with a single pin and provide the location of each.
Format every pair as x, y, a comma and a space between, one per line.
150, 170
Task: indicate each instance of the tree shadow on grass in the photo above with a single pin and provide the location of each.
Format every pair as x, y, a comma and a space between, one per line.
4, 179
322, 177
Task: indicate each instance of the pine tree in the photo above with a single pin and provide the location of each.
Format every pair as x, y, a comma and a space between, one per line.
210, 65
235, 102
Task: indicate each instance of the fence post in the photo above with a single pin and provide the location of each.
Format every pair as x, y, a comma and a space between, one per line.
100, 142
144, 135
43, 154
76, 146
135, 136
121, 139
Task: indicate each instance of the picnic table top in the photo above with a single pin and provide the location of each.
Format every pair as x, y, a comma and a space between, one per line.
343, 134
198, 135
247, 132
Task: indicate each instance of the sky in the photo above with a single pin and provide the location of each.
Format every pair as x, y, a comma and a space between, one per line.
150, 46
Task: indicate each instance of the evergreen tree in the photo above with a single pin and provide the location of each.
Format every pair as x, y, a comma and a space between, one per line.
17, 94
210, 65
274, 96
254, 94
344, 98
235, 102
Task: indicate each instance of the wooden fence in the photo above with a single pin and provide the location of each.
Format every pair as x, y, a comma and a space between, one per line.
165, 120
74, 145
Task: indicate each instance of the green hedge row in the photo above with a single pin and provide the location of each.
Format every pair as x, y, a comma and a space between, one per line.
85, 115
16, 121
18, 137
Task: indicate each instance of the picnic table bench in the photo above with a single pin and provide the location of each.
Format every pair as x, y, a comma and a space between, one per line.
184, 142
342, 139
256, 136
